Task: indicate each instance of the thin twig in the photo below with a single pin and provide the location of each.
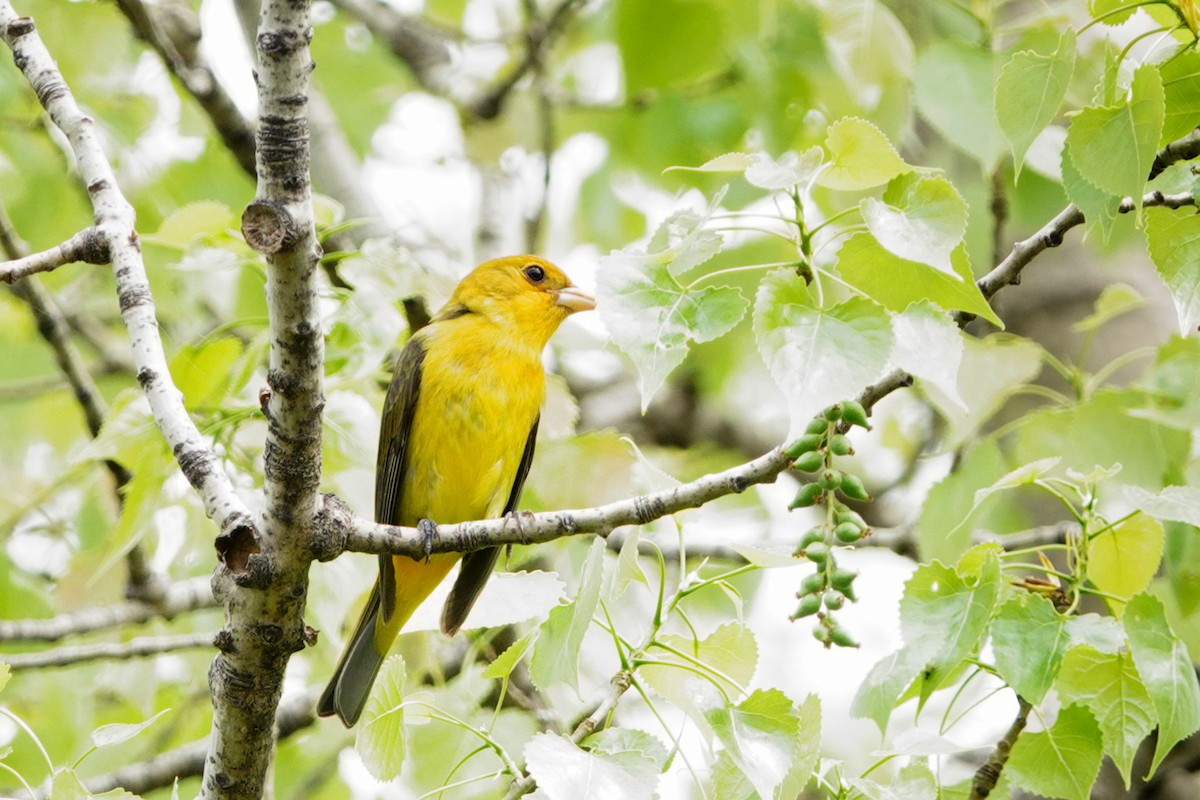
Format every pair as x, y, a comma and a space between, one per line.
988, 774
593, 722
425, 48
295, 714
88, 246
173, 30
539, 36
119, 651
178, 598
52, 326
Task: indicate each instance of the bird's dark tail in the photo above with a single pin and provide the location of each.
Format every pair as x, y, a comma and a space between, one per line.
348, 689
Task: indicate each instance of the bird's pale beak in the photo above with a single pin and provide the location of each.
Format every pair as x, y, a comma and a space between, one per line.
575, 299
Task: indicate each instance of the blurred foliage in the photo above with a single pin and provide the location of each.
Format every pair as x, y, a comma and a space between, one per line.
794, 194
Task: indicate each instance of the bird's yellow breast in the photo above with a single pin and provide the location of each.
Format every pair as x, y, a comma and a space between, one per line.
480, 395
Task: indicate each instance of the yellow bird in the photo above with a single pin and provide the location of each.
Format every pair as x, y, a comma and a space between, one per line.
457, 437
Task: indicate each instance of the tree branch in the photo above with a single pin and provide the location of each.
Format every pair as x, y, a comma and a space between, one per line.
88, 246
134, 648
986, 777
539, 35
263, 575
52, 326
178, 598
173, 30
115, 224
425, 49
295, 714
593, 722
339, 530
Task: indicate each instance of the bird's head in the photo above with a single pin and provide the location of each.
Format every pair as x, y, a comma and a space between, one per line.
524, 292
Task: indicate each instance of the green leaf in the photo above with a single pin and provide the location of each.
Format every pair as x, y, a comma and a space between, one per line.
1113, 147
915, 781
726, 162
65, 785
1102, 633
1100, 208
1107, 684
565, 771
790, 171
896, 283
1114, 301
654, 319
949, 515
929, 346
556, 654
202, 372
954, 90
1181, 84
205, 218
728, 657
1021, 476
5, 674
1124, 558
817, 356
876, 695
1083, 435
920, 219
1174, 503
1166, 669
1029, 638
945, 614
116, 732
683, 240
1174, 239
1062, 761
629, 565
503, 664
860, 156
380, 739
1029, 91
868, 47
671, 42
761, 735
991, 370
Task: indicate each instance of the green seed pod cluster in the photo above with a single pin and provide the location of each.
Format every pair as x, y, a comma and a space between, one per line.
829, 588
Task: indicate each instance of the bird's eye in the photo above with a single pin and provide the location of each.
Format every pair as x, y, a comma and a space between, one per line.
534, 273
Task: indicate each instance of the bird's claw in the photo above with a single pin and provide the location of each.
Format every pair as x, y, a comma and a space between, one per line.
519, 518
428, 530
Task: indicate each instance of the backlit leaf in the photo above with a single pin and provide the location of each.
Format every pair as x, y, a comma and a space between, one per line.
1113, 146
1166, 670
817, 356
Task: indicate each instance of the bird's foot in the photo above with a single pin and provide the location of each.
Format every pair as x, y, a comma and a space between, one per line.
519, 518
428, 530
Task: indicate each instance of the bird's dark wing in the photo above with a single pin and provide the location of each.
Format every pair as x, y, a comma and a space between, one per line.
477, 566
392, 460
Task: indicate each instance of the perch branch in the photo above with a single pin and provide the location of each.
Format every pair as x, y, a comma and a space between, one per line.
120, 651
344, 531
